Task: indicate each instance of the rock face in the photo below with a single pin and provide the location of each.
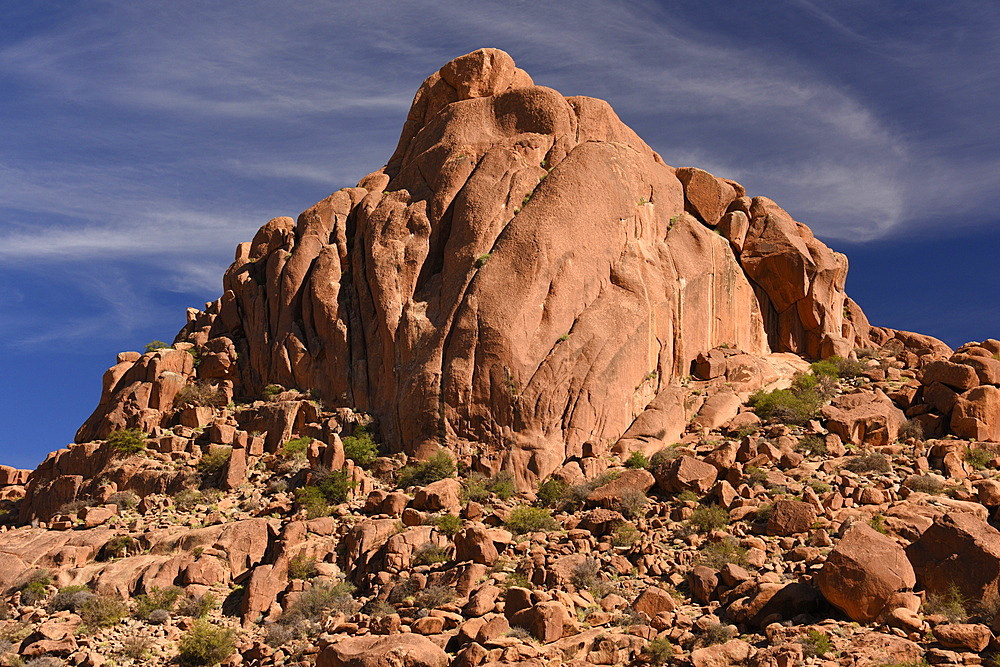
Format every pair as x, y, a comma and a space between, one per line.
522, 278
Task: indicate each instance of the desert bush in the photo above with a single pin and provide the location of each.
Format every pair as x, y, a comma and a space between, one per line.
950, 604
70, 598
924, 484
576, 495
102, 612
552, 492
158, 617
73, 506
637, 460
978, 457
302, 566
478, 487
360, 447
279, 634
154, 345
296, 449
815, 644
838, 367
124, 500
717, 554
869, 463
319, 601
205, 644
200, 394
707, 518
798, 404
403, 590
632, 503
429, 554
157, 598
625, 535
33, 592
312, 500
474, 488
271, 390
136, 647
717, 633
212, 463
502, 485
527, 519
422, 473
660, 650
812, 444
127, 442
187, 499
911, 428
448, 524
198, 606
433, 597
586, 574
376, 608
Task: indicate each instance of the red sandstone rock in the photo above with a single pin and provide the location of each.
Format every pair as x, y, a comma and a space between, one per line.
862, 573
961, 550
400, 650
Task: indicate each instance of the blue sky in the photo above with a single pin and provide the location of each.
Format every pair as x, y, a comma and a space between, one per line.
141, 141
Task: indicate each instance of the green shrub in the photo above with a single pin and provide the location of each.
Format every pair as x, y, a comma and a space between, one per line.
637, 460
302, 566
838, 367
527, 519
586, 574
813, 444
482, 259
448, 524
33, 592
319, 601
187, 499
334, 485
429, 554
552, 492
660, 650
154, 345
978, 457
212, 463
296, 448
950, 604
791, 406
157, 598
271, 390
127, 442
200, 394
205, 644
474, 488
717, 554
625, 535
815, 644
360, 447
911, 428
137, 647
707, 518
312, 500
878, 523
102, 612
437, 467
502, 485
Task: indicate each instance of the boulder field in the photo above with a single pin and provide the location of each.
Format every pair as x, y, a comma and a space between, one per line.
526, 395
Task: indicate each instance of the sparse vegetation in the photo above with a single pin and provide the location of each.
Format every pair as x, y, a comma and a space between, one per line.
271, 390
478, 487
717, 633
205, 644
302, 566
527, 519
157, 598
154, 345
127, 442
869, 463
433, 597
448, 524
660, 650
482, 259
950, 604
439, 466
200, 394
632, 503
978, 457
102, 612
637, 460
552, 492
328, 487
361, 447
429, 554
815, 644
838, 367
212, 463
718, 554
795, 405
625, 535
924, 484
707, 518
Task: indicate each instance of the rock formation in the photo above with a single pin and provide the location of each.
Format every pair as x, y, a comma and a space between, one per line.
614, 356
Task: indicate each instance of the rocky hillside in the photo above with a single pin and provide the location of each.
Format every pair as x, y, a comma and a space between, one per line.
526, 395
